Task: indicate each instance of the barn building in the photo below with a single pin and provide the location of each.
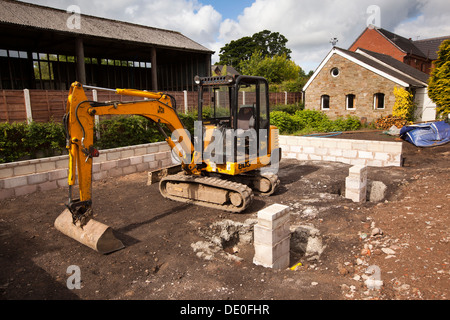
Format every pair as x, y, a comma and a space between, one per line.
48, 49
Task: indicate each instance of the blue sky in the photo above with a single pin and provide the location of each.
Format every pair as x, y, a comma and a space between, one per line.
229, 9
308, 25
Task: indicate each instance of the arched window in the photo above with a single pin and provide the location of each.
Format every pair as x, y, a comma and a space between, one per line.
325, 102
378, 101
350, 101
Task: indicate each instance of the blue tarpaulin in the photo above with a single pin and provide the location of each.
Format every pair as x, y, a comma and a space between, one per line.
427, 134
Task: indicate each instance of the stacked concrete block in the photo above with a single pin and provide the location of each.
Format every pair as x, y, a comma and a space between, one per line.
24, 177
349, 151
272, 237
356, 184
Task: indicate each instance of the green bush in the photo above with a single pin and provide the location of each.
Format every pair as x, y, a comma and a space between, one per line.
20, 141
289, 108
308, 121
283, 121
126, 131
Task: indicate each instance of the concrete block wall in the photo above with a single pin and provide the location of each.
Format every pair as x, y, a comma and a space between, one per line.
354, 152
24, 177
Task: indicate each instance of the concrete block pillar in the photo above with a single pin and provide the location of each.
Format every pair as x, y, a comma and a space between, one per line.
356, 184
272, 237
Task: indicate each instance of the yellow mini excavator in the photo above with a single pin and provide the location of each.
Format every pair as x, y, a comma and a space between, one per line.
234, 152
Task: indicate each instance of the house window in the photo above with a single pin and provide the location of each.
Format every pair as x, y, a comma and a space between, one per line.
325, 102
350, 101
378, 101
335, 72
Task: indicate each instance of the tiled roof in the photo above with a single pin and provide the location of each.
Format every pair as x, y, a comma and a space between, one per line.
430, 47
404, 44
398, 65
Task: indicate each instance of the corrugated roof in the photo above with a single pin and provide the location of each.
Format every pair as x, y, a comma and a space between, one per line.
430, 47
40, 17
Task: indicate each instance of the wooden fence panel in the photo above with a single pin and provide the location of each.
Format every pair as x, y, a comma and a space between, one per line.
47, 105
12, 106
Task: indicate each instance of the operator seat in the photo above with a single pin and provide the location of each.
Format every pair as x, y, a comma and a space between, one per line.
246, 118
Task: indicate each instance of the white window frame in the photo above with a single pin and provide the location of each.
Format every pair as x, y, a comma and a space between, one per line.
322, 100
375, 101
354, 101
332, 72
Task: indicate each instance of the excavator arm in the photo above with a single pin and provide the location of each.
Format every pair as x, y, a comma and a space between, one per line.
79, 125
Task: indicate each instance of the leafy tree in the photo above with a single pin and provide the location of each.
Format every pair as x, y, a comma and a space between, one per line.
236, 51
271, 44
266, 42
276, 69
439, 82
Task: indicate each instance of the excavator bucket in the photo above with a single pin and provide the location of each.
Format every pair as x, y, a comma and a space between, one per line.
94, 234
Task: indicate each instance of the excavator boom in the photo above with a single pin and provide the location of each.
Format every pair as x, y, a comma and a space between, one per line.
77, 220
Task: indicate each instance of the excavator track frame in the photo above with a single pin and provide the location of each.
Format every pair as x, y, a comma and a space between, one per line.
214, 184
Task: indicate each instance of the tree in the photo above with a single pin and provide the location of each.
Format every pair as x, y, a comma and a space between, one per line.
277, 69
439, 82
271, 44
266, 42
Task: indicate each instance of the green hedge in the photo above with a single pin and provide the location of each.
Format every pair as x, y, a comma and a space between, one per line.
20, 141
309, 121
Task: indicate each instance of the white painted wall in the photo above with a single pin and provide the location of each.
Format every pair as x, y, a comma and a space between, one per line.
426, 109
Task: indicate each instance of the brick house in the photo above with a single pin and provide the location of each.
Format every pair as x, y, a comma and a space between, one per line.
362, 84
419, 54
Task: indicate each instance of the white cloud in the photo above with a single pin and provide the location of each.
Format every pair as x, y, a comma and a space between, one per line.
432, 21
193, 19
307, 24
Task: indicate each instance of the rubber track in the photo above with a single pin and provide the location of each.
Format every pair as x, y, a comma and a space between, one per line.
245, 192
274, 182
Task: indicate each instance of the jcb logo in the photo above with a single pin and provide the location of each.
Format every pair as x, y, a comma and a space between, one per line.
246, 164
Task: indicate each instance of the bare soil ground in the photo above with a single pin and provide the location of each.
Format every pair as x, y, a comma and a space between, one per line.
162, 259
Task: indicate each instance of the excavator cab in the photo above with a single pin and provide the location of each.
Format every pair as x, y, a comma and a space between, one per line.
235, 119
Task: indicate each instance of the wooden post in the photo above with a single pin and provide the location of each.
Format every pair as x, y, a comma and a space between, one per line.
6, 106
81, 68
154, 70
